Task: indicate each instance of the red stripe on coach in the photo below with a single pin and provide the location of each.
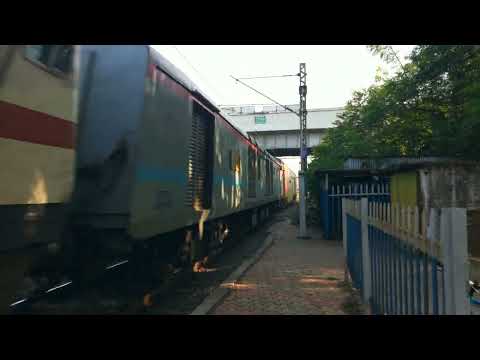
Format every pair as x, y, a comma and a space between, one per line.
19, 123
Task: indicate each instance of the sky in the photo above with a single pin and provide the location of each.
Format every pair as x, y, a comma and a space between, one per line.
333, 71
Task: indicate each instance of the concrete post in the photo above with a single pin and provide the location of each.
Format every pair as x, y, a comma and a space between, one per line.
453, 239
303, 208
366, 268
344, 236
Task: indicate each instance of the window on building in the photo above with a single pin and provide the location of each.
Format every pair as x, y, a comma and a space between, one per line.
260, 119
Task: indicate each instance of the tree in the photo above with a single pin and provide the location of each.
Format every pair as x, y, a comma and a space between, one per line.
431, 106
386, 53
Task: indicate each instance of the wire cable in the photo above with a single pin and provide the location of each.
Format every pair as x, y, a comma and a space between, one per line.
267, 77
269, 98
197, 71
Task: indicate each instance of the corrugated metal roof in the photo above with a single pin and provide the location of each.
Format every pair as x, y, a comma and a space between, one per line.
388, 162
393, 164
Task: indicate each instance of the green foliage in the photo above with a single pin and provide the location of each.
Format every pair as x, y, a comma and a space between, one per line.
386, 53
429, 107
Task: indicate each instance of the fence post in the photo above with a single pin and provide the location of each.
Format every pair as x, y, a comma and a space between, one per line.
344, 237
367, 276
453, 238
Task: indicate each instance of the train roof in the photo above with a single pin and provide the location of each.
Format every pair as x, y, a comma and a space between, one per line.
184, 80
169, 68
180, 77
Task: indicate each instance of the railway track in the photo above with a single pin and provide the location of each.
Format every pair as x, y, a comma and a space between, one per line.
110, 292
120, 289
117, 289
65, 290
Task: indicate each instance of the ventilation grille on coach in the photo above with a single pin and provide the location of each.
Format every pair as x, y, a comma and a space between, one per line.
200, 159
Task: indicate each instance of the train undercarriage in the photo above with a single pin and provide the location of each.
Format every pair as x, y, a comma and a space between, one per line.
85, 254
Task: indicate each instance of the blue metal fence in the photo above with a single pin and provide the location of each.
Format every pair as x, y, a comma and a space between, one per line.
405, 280
406, 272
331, 203
354, 262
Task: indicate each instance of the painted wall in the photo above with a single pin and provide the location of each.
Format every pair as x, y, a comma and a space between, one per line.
443, 187
404, 189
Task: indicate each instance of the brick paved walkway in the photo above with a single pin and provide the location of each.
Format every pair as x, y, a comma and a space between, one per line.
294, 276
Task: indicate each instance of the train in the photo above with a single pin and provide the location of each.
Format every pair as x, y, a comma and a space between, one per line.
110, 151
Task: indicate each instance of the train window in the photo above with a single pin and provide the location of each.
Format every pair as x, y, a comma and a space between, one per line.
39, 53
234, 160
63, 59
259, 167
54, 58
269, 178
252, 164
6, 53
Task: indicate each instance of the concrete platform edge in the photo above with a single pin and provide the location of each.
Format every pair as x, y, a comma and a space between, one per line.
211, 301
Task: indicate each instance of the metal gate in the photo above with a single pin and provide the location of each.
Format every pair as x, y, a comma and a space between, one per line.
331, 203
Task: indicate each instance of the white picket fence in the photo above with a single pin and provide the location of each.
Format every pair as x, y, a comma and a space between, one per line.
412, 261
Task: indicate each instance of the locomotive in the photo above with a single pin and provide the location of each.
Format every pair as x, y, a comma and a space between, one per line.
109, 151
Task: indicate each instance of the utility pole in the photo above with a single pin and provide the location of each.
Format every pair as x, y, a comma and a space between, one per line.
303, 151
302, 114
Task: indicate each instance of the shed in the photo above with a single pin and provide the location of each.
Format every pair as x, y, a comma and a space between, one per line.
436, 185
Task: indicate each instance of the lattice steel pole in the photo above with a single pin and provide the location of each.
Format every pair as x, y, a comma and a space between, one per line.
303, 151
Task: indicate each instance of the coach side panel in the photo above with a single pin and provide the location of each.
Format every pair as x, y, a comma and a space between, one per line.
161, 169
37, 129
111, 104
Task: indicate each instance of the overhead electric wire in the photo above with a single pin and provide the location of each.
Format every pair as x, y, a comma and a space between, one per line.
269, 98
197, 71
267, 77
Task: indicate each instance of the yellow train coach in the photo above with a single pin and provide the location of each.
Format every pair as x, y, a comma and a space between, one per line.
37, 135
289, 192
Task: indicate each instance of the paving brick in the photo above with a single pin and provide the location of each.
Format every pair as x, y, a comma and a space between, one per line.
294, 276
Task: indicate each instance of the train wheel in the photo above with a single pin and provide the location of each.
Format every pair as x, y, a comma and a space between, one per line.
142, 266
79, 253
201, 246
212, 244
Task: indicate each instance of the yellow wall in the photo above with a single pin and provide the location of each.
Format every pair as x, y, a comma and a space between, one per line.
403, 188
